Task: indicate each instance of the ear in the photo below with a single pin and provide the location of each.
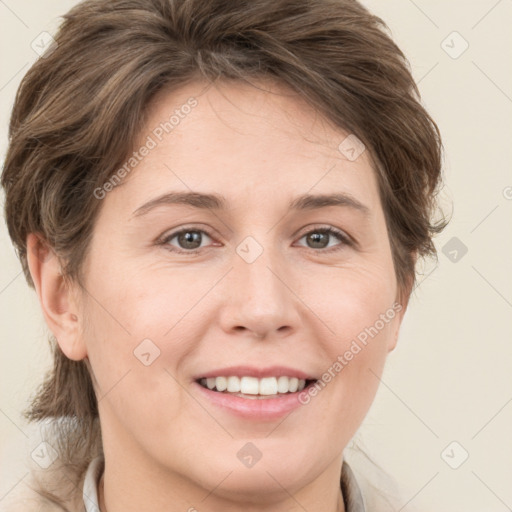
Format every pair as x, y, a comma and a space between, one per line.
400, 306
60, 309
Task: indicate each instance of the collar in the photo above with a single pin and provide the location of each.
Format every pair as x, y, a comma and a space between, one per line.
90, 488
352, 496
351, 492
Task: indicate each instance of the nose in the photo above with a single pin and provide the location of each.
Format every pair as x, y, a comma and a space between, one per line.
258, 299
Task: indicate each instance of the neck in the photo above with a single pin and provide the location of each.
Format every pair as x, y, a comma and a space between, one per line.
288, 505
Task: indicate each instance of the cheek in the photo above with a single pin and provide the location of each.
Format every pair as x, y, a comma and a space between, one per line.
130, 305
358, 318
349, 384
156, 298
351, 301
135, 331
135, 371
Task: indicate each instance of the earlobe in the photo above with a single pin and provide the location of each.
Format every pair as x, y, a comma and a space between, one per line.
400, 307
402, 298
396, 327
57, 301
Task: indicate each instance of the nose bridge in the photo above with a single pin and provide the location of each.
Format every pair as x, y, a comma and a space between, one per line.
260, 300
262, 283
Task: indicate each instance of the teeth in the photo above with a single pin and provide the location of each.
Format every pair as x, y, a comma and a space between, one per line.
221, 383
253, 386
268, 386
249, 386
282, 384
233, 384
293, 384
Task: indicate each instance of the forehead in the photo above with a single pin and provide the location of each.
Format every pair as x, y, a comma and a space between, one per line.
247, 142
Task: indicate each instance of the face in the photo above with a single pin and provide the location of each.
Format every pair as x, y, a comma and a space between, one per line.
244, 282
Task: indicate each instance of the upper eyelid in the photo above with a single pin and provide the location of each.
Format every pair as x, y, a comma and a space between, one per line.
171, 234
341, 234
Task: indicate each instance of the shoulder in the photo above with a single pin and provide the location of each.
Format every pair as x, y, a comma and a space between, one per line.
31, 494
25, 499
378, 490
29, 486
375, 498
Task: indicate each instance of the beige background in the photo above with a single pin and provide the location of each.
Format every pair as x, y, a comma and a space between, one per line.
450, 377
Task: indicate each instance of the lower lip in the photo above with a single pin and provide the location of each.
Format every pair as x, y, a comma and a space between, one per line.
253, 408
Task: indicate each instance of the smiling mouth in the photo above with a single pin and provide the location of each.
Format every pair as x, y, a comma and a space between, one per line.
255, 388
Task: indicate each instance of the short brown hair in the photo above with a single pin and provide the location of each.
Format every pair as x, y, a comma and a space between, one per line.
79, 109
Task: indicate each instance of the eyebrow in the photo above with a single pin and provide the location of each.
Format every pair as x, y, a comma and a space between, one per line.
218, 202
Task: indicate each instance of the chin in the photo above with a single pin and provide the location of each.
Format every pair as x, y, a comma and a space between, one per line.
258, 484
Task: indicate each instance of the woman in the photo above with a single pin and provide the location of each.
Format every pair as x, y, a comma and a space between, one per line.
220, 207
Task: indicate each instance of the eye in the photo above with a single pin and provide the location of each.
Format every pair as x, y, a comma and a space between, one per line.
189, 240
319, 238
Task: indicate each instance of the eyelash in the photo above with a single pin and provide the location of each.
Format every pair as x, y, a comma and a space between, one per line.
342, 237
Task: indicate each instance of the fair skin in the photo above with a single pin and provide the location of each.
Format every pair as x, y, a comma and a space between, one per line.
299, 304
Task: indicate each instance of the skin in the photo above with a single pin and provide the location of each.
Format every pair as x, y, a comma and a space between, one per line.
298, 304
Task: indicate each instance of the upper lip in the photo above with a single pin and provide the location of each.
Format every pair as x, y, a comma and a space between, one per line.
252, 371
